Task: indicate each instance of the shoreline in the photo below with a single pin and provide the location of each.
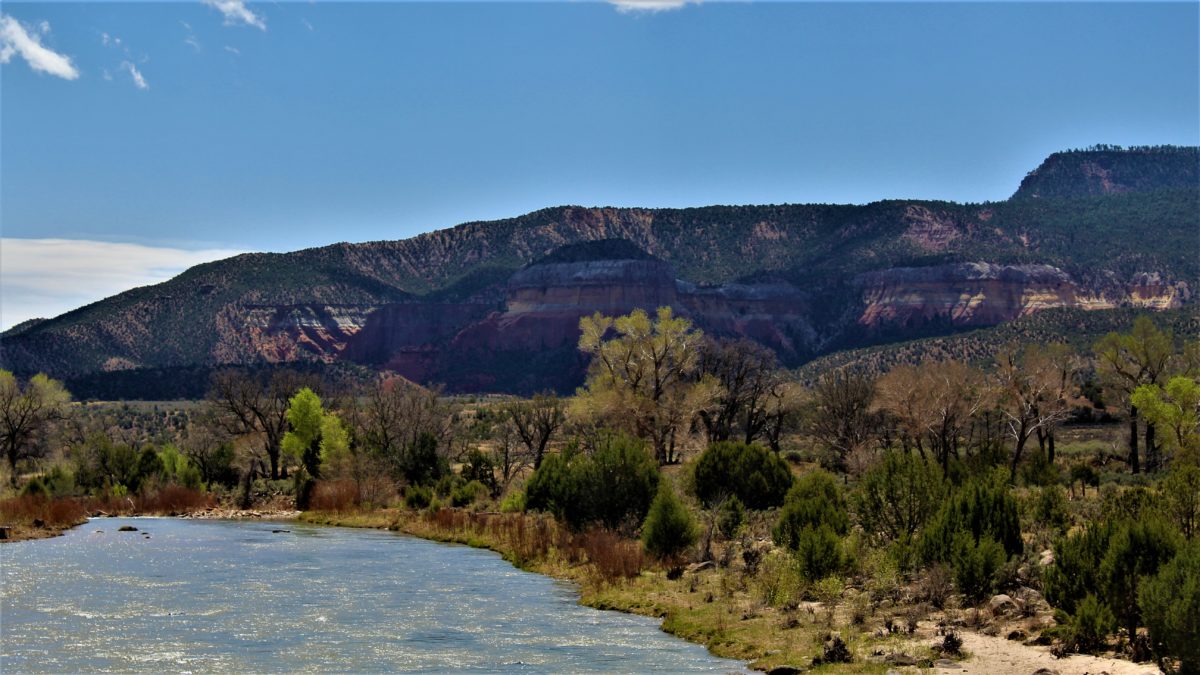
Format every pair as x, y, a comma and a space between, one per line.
759, 637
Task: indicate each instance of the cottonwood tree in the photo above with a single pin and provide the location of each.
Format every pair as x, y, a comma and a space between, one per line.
248, 404
841, 417
396, 416
1129, 360
748, 374
1033, 386
643, 379
25, 414
535, 422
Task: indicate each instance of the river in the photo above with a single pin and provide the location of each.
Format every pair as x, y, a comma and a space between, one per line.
204, 596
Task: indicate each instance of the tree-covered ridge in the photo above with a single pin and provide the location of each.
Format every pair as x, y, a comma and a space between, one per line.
199, 317
1076, 327
1111, 169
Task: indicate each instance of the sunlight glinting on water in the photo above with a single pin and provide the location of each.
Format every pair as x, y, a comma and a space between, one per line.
224, 596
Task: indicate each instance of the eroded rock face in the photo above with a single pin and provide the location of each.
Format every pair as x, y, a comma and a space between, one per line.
984, 294
280, 333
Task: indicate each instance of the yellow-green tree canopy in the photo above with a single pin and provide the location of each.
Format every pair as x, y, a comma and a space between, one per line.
1175, 407
642, 379
25, 412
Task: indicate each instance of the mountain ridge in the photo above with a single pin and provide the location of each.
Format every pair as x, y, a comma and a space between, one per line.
312, 305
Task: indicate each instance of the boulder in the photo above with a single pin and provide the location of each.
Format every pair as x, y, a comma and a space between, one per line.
1002, 604
785, 670
127, 528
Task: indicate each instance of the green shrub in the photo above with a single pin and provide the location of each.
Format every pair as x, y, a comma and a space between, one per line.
36, 488
975, 564
1135, 552
1170, 603
513, 502
818, 552
1075, 573
755, 475
1087, 629
669, 529
420, 462
468, 493
1040, 471
1050, 508
479, 467
613, 487
897, 495
417, 496
982, 507
730, 517
813, 501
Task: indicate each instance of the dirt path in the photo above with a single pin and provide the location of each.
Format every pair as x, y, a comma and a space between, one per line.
994, 655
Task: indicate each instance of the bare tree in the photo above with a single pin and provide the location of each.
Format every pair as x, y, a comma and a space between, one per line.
249, 404
841, 417
1033, 386
395, 413
748, 374
536, 421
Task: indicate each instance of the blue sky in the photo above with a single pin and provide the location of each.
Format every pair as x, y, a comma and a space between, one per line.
205, 128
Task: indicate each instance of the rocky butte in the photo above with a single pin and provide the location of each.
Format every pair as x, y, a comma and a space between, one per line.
494, 306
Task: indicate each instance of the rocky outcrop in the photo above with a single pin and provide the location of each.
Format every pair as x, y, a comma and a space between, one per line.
984, 294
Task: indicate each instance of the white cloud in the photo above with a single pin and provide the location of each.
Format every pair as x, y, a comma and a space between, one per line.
307, 25
236, 11
15, 39
232, 50
191, 40
138, 80
628, 6
46, 277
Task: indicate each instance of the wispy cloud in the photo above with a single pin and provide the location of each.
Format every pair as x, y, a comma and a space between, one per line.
232, 50
629, 6
236, 12
16, 39
138, 80
46, 277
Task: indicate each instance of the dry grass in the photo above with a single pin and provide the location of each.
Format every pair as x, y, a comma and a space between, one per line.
39, 511
335, 495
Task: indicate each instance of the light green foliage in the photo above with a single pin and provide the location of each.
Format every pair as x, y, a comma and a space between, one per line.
641, 381
1176, 408
177, 469
302, 442
669, 529
468, 493
335, 451
513, 502
25, 414
1180, 498
1170, 603
897, 495
755, 475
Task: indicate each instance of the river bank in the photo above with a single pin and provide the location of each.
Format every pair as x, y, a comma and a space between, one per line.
702, 605
724, 610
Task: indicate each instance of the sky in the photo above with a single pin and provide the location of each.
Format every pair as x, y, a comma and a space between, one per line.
178, 132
